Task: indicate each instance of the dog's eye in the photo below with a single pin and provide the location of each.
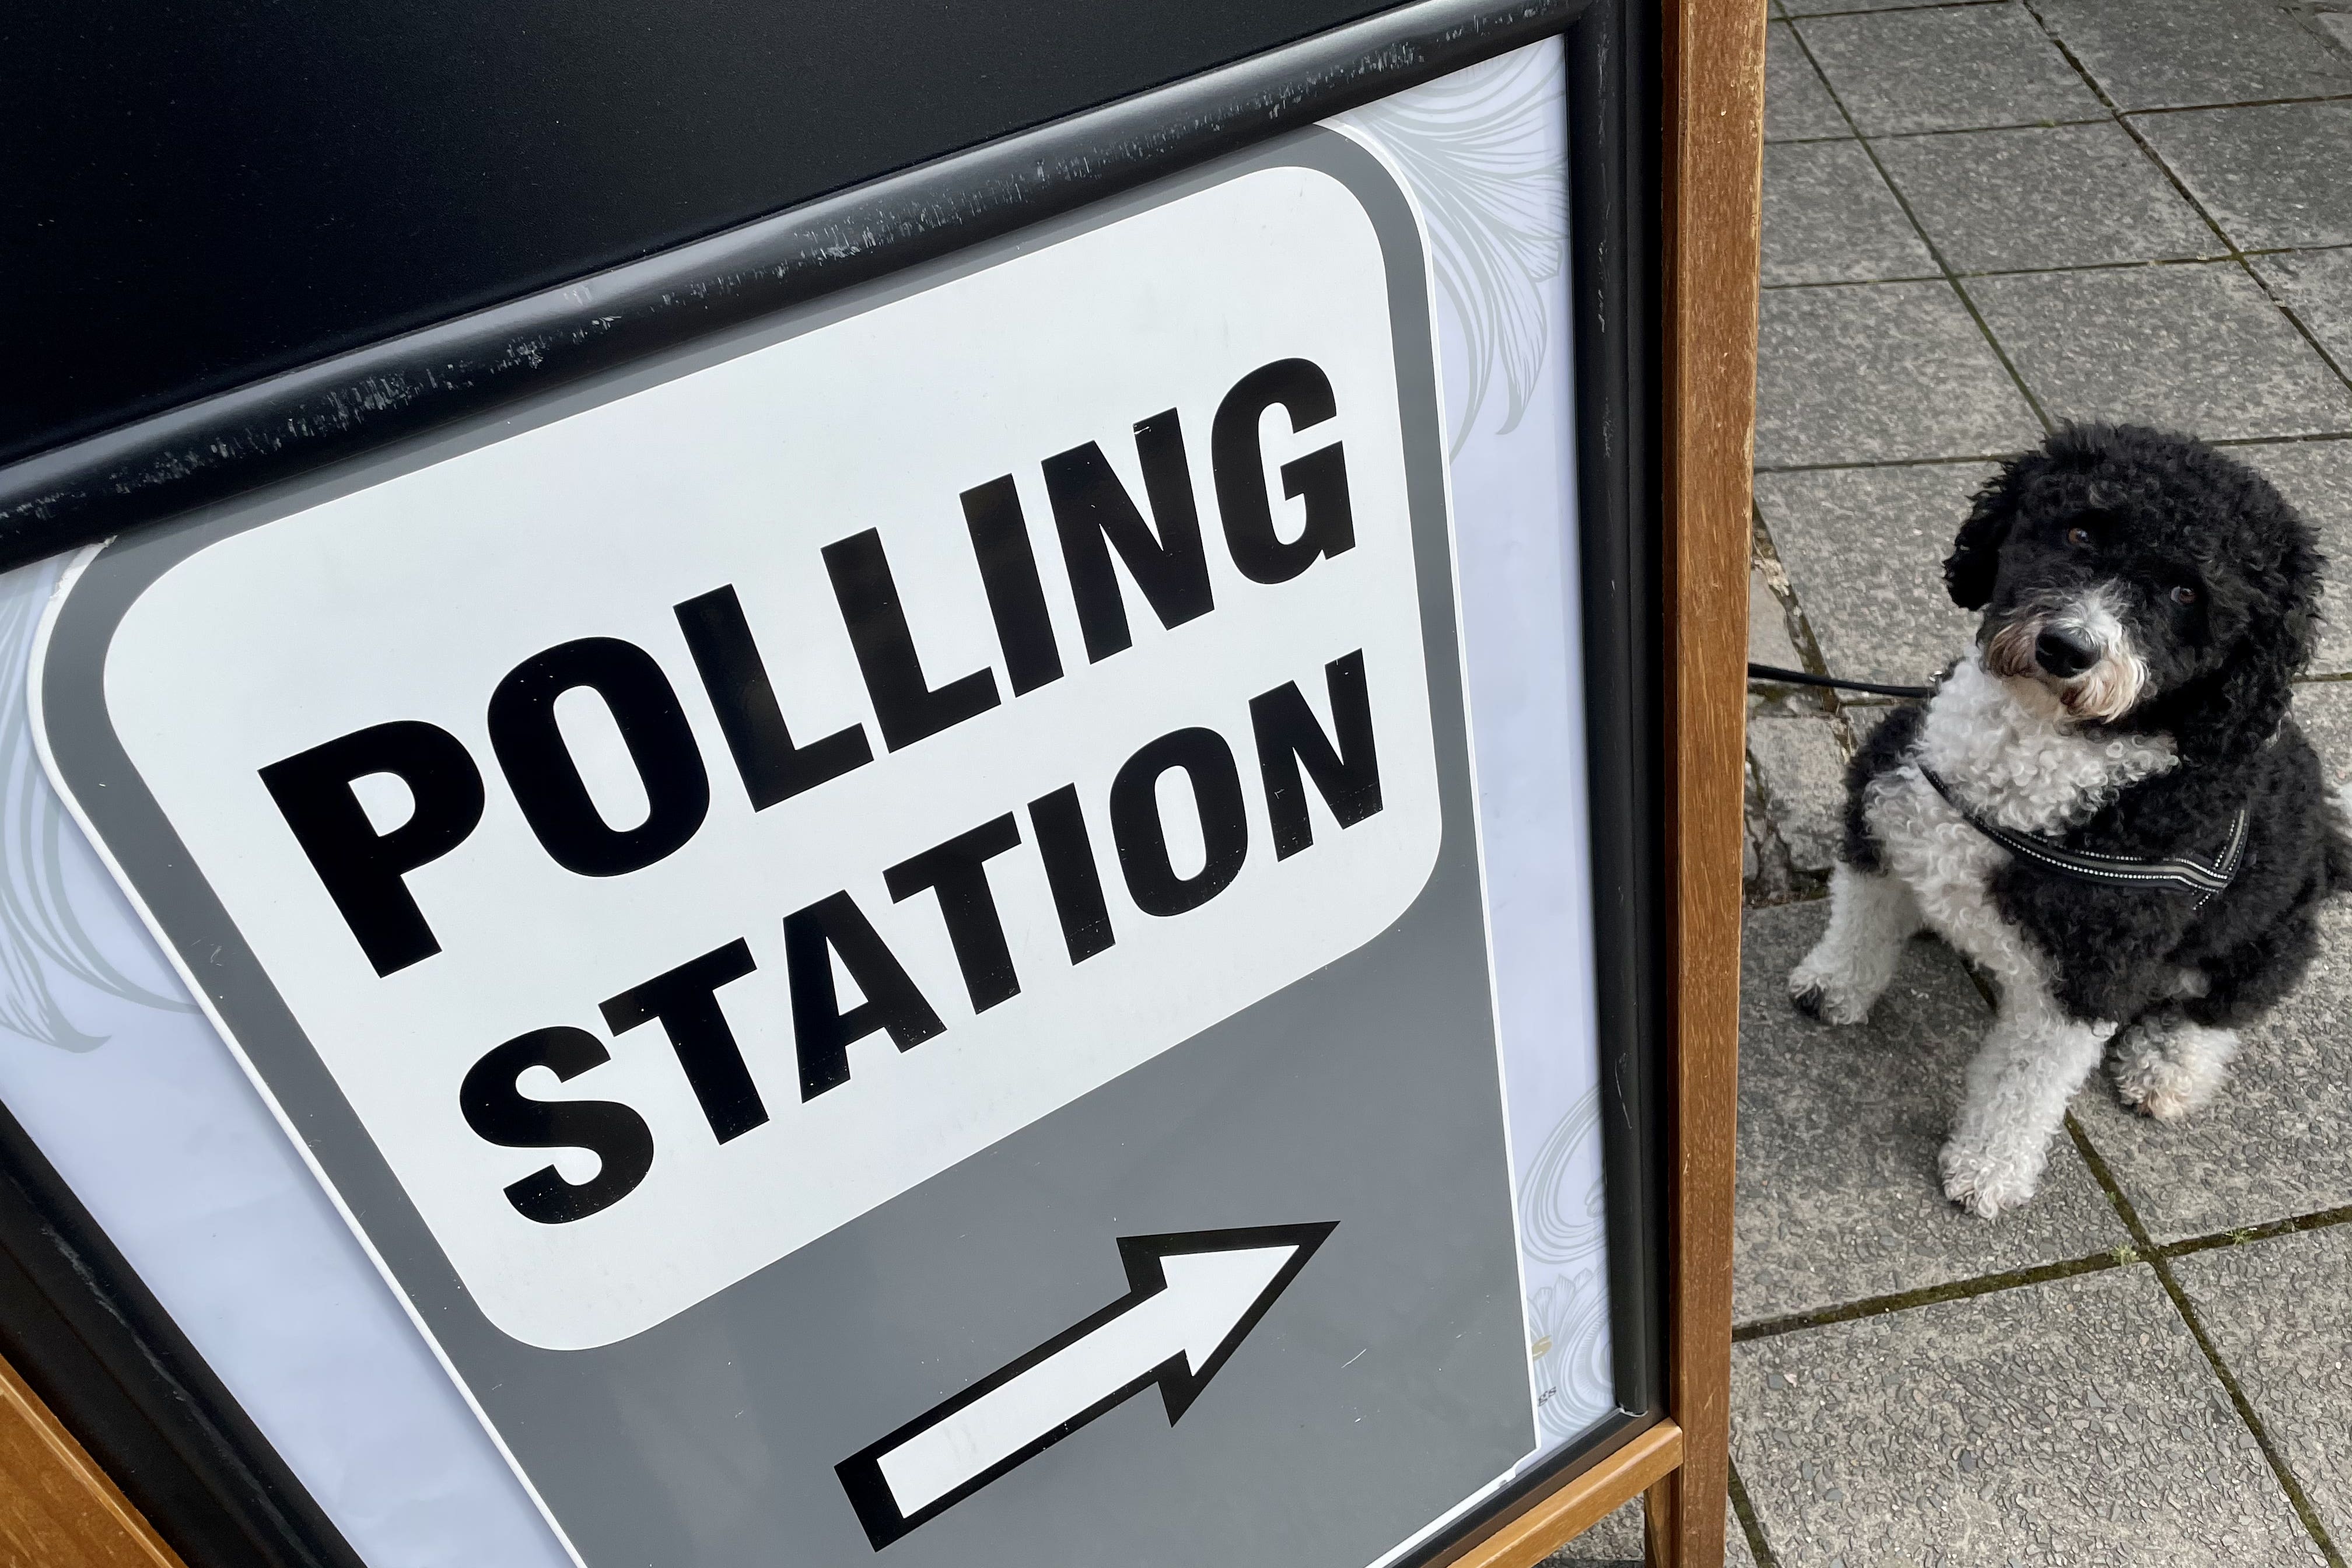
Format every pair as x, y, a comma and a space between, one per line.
2080, 538
2182, 594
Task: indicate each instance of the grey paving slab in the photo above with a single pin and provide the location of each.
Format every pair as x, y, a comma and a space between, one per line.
1838, 1199
1867, 373
2274, 176
1952, 69
2072, 1422
1864, 549
2273, 1144
1615, 1539
1797, 107
2197, 347
2316, 477
1830, 219
2280, 1311
1986, 198
1801, 767
2324, 709
2197, 51
2316, 285
1768, 625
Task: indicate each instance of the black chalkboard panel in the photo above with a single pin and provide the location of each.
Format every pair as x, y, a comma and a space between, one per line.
192, 196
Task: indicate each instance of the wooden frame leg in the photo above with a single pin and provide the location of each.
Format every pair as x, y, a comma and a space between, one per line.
1658, 1524
1713, 159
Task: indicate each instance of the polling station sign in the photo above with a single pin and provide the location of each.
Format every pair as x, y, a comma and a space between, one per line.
875, 904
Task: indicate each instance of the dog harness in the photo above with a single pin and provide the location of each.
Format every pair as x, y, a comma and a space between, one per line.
2186, 873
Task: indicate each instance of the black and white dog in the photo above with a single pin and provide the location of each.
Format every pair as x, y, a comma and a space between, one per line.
2105, 805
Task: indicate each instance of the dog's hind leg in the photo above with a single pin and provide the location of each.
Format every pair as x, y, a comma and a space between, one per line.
2167, 1066
2030, 1064
1872, 915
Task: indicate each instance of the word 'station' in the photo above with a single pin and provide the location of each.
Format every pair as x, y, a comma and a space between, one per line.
1288, 746
682, 824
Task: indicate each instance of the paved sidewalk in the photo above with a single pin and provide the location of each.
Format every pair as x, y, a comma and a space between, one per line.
1981, 219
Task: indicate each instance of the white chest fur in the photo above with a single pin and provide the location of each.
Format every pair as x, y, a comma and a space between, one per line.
2014, 756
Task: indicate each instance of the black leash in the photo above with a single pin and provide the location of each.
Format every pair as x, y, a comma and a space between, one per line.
2186, 873
1774, 673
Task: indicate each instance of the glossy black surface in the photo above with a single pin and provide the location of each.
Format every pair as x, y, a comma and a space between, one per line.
192, 196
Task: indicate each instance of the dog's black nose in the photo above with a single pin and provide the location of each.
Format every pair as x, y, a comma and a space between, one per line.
2064, 654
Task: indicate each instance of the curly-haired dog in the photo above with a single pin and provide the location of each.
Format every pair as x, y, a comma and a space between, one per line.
2105, 805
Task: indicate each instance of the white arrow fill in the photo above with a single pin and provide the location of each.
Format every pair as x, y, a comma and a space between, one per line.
1207, 1296
1195, 1297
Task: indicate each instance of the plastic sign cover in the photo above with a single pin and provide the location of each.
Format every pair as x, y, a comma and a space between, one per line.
834, 909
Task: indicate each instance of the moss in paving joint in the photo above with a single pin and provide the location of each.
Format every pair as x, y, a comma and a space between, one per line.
2154, 262
1933, 1295
2319, 1220
2243, 103
2304, 438
1890, 463
1874, 10
1847, 283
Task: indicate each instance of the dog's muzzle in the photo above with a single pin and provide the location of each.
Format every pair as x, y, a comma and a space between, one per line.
2081, 648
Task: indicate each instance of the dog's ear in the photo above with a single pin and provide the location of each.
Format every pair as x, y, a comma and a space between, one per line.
1975, 561
2239, 709
2234, 715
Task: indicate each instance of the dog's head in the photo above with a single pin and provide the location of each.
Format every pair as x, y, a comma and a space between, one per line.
2142, 580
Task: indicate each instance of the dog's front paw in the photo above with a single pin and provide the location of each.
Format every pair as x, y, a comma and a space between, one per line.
2157, 1089
1820, 993
2168, 1069
1986, 1184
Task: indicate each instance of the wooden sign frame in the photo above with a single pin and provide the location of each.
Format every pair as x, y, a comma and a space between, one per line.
114, 1437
